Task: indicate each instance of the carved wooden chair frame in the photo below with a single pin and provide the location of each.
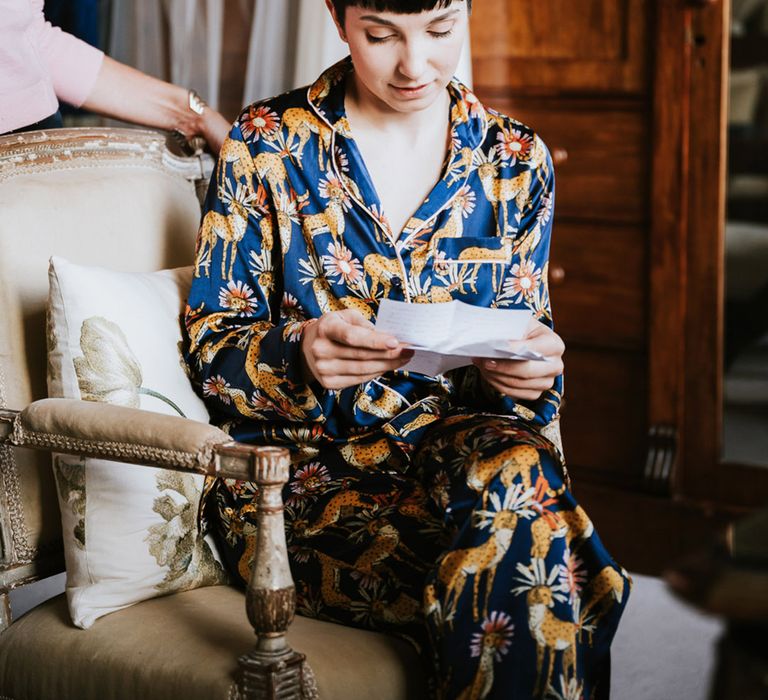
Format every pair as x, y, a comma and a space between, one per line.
271, 669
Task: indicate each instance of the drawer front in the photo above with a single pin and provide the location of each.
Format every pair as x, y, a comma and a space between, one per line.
561, 45
597, 284
602, 157
604, 416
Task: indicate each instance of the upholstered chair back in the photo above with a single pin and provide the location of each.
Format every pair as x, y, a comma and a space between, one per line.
47, 181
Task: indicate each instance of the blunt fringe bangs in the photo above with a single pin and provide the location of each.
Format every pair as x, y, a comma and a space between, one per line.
405, 7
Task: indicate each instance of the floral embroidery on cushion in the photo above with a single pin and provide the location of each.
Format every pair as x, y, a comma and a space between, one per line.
70, 479
176, 543
109, 372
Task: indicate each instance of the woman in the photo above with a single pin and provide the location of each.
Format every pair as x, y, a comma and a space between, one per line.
40, 64
431, 507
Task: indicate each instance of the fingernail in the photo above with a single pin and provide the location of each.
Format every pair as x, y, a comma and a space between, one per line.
392, 343
490, 364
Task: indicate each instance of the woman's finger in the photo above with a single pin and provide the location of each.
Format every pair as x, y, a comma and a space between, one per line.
335, 367
354, 335
520, 369
537, 384
345, 352
524, 394
541, 339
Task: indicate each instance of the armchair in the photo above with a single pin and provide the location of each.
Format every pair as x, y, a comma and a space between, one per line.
121, 199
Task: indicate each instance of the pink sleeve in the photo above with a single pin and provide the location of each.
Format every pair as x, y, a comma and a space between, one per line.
72, 64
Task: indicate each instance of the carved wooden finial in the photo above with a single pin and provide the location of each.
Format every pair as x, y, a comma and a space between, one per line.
271, 466
272, 669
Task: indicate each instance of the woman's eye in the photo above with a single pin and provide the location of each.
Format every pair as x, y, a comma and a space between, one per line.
377, 39
442, 30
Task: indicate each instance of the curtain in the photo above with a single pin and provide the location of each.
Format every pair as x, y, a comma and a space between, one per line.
176, 40
272, 54
291, 42
317, 42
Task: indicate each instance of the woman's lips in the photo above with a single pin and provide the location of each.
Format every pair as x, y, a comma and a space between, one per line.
411, 91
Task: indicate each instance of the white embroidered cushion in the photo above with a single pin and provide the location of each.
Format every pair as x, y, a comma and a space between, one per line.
130, 533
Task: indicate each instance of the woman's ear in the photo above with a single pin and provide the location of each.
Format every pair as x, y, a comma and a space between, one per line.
335, 16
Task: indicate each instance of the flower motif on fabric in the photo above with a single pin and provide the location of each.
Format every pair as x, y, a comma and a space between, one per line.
465, 201
261, 121
377, 602
340, 265
365, 579
522, 282
570, 689
300, 554
341, 160
514, 145
238, 297
290, 309
309, 601
495, 637
545, 212
536, 576
279, 404
217, 386
572, 575
309, 478
517, 499
293, 331
542, 500
475, 108
303, 434
455, 140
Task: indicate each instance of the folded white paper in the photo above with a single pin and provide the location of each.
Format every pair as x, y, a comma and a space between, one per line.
446, 336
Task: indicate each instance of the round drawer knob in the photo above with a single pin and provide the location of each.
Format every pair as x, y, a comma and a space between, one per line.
559, 156
556, 274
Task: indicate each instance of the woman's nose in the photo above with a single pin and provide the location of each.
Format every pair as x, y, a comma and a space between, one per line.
413, 60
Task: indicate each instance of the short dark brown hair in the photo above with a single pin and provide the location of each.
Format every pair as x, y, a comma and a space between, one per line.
406, 7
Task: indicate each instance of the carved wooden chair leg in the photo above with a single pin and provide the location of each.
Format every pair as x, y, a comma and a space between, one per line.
272, 670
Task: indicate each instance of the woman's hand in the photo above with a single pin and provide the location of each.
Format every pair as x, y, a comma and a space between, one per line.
122, 92
526, 379
342, 349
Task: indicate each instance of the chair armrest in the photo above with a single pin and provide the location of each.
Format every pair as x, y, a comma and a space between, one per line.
127, 434
114, 432
154, 439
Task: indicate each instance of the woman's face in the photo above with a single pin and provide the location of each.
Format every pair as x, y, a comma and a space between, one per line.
404, 61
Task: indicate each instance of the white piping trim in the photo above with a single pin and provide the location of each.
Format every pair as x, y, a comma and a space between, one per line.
473, 261
385, 229
394, 391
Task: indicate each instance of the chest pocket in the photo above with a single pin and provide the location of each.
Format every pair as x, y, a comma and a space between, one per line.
473, 250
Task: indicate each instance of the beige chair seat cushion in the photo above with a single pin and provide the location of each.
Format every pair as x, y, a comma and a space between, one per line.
186, 646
